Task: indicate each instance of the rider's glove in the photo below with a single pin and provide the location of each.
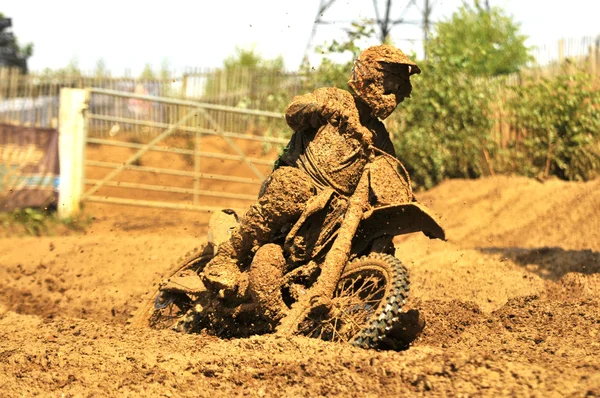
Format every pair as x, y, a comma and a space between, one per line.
347, 122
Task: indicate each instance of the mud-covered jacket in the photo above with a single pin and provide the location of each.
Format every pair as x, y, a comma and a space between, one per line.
331, 138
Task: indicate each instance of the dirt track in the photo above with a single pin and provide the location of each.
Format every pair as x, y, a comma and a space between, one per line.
511, 304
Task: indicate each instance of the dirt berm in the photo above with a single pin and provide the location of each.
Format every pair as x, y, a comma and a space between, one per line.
511, 306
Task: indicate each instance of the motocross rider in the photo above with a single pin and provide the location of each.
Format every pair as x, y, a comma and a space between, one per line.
336, 133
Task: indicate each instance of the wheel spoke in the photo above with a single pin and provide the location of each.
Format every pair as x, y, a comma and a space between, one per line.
340, 337
315, 329
347, 285
335, 324
374, 294
351, 319
362, 288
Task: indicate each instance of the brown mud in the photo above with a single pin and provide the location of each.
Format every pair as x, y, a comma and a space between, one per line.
510, 306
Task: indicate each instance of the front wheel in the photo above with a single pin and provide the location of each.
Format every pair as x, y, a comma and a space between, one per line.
368, 299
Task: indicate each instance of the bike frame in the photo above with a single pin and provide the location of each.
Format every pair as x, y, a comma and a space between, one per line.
322, 291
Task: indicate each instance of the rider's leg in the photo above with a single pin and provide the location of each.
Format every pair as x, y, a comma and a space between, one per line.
265, 278
281, 201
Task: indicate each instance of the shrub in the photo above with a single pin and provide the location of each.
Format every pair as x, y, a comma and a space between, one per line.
479, 41
559, 119
444, 130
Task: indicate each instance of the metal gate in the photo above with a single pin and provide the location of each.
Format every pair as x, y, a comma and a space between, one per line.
218, 155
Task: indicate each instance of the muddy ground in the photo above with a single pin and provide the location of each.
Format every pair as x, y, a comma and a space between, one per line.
511, 305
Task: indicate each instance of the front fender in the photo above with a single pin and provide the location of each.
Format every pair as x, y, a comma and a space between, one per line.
396, 220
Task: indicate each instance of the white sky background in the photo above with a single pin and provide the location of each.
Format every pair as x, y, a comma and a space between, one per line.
127, 34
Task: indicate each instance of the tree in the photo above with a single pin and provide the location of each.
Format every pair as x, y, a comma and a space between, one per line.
330, 73
164, 73
248, 80
11, 53
249, 58
72, 68
443, 131
68, 72
101, 69
561, 116
479, 41
147, 73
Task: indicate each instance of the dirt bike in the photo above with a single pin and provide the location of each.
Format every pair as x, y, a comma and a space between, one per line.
342, 281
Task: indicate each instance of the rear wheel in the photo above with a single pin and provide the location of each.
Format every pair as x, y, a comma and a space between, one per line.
368, 298
163, 308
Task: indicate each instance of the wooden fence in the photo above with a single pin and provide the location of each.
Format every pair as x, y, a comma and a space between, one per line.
33, 99
583, 53
566, 57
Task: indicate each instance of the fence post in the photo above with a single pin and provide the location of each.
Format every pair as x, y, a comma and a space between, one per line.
593, 60
561, 50
72, 135
184, 83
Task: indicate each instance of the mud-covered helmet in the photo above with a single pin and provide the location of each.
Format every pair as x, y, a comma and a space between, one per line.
380, 77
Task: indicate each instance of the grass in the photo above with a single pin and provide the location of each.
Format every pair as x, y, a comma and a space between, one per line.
39, 222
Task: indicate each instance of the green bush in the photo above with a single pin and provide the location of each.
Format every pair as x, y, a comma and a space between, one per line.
479, 41
38, 222
444, 129
559, 119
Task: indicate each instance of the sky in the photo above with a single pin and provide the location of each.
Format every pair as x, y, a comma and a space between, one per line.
127, 34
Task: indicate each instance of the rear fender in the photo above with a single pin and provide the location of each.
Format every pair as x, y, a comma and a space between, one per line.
220, 226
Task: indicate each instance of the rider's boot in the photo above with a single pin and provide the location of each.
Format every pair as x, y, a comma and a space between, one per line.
224, 271
265, 279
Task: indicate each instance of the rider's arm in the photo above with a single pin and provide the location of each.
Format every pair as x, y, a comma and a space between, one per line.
312, 110
326, 105
304, 112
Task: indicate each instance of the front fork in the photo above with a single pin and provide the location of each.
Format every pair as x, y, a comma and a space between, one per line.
321, 293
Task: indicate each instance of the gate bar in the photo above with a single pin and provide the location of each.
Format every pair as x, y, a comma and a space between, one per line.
161, 188
141, 151
218, 177
152, 203
187, 129
180, 151
195, 104
233, 145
